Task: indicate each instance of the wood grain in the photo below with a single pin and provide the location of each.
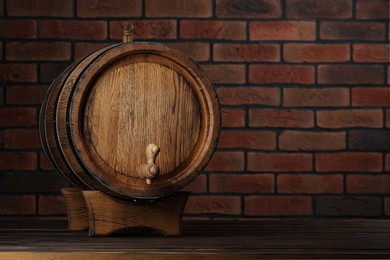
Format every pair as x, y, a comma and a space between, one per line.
135, 104
267, 239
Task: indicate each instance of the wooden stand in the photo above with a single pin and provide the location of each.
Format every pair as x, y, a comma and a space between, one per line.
105, 215
77, 209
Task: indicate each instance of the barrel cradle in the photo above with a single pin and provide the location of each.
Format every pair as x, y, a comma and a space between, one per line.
133, 120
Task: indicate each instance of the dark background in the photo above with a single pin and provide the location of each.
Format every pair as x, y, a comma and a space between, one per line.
303, 86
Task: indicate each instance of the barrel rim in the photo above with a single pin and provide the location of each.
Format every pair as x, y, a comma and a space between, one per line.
210, 109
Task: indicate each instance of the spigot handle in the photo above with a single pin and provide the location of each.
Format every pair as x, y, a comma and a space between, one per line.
128, 29
150, 169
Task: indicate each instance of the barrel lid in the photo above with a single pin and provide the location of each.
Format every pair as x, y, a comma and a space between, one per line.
144, 119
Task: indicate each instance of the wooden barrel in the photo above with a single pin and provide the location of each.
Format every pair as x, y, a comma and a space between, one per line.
135, 120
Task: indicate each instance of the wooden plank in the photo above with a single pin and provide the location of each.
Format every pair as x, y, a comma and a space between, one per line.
185, 256
204, 240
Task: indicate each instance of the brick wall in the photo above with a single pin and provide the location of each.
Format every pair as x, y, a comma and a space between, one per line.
302, 84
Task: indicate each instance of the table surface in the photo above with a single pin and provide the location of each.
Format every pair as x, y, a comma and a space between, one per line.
202, 240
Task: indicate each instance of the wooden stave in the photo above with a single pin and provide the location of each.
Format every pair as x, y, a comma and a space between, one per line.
176, 183
61, 130
46, 130
47, 126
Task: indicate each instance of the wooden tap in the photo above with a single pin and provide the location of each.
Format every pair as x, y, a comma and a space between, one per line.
127, 32
150, 169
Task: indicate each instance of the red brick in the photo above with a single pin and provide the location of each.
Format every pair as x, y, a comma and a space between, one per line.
51, 205
192, 218
146, 29
316, 97
18, 161
371, 96
37, 51
25, 95
21, 138
2, 96
198, 51
388, 118
349, 162
369, 140
241, 183
19, 29
82, 49
198, 185
246, 52
351, 74
352, 31
348, 206
1, 138
226, 73
281, 118
368, 184
312, 141
178, 8
51, 8
371, 52
319, 9
372, 9
260, 140
234, 117
18, 73
387, 206
282, 30
44, 163
311, 52
213, 204
387, 162
17, 205
22, 182
226, 30
72, 29
249, 96
50, 71
350, 118
310, 183
277, 206
291, 74
248, 9
18, 117
280, 162
113, 8
388, 72
226, 161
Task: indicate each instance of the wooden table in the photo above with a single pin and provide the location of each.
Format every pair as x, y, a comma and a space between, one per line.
202, 240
